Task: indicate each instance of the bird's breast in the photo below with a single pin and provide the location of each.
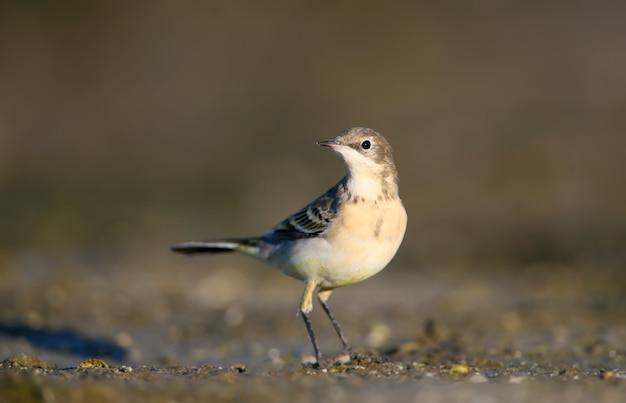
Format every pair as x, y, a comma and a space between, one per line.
362, 240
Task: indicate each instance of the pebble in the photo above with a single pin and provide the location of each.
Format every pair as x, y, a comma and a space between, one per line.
478, 378
459, 369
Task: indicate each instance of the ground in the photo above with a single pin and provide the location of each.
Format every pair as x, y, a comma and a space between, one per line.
198, 329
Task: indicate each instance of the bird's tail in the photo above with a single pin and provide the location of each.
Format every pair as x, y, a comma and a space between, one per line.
218, 246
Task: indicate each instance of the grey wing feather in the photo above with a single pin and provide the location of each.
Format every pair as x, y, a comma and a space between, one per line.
313, 219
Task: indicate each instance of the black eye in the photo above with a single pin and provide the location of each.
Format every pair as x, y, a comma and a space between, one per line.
366, 145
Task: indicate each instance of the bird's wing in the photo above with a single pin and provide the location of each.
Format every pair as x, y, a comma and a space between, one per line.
313, 219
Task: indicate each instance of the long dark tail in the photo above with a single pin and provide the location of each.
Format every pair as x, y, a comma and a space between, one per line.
218, 246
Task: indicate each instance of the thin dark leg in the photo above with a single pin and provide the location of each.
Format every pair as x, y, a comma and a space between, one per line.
323, 297
309, 328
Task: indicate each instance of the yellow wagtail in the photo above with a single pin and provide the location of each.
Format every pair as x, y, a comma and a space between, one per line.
344, 236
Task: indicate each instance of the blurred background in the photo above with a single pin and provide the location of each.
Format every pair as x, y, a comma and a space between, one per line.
138, 124
128, 126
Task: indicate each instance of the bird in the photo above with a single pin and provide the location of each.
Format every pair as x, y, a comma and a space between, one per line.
348, 234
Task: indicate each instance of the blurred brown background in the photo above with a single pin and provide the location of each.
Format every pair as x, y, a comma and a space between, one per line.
128, 126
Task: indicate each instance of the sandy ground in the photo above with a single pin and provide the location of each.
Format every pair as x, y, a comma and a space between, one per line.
178, 329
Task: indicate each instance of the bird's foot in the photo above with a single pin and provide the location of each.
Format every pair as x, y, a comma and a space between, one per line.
349, 357
318, 363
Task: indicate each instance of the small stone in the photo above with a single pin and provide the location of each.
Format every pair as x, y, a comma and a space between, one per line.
28, 361
343, 359
459, 369
478, 378
240, 368
93, 363
308, 360
607, 375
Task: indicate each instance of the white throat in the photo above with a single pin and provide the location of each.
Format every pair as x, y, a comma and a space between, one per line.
366, 187
365, 177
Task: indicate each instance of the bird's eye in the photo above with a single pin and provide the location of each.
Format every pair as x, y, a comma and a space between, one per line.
366, 145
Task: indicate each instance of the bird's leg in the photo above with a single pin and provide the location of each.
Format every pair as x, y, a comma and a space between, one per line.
306, 306
307, 322
322, 296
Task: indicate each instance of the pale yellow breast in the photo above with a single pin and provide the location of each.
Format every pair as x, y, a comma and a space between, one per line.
363, 239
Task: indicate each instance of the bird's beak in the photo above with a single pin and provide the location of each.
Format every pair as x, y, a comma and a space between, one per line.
328, 143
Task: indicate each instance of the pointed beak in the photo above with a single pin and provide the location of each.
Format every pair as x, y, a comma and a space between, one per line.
328, 143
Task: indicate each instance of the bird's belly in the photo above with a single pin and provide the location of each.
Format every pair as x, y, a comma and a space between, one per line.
353, 250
